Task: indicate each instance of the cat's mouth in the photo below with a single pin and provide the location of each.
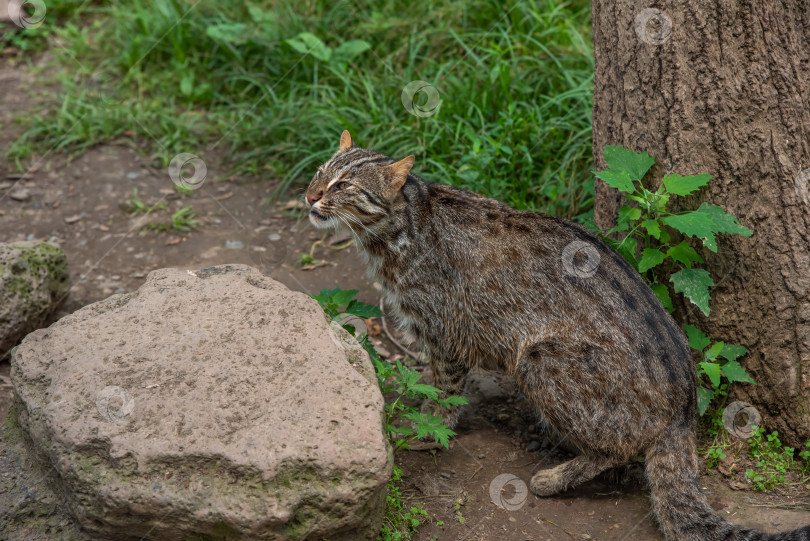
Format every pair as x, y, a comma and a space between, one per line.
321, 221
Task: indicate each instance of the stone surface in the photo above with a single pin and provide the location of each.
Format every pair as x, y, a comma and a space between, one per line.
34, 278
218, 404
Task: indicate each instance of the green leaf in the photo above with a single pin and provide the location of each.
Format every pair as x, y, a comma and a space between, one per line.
427, 424
705, 222
361, 309
627, 213
697, 340
349, 50
734, 372
343, 297
635, 164
712, 353
694, 283
650, 257
685, 254
627, 248
306, 43
685, 185
619, 180
228, 33
662, 293
732, 352
713, 371
261, 17
724, 221
453, 400
421, 390
652, 227
704, 398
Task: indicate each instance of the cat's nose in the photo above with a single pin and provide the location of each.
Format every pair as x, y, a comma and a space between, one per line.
313, 198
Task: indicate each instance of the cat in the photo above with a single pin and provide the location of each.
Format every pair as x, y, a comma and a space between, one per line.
479, 284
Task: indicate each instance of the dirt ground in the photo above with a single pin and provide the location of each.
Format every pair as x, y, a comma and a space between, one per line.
78, 205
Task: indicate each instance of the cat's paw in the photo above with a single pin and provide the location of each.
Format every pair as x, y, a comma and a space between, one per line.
546, 483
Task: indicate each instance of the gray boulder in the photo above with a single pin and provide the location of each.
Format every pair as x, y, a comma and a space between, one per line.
216, 404
34, 279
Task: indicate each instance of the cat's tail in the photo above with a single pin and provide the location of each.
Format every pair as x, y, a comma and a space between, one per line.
681, 508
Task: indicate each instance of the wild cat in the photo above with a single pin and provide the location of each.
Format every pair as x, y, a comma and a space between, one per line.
479, 284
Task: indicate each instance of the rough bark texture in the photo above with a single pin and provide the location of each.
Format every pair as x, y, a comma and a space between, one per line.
723, 87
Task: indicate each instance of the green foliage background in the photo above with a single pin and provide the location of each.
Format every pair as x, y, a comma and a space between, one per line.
271, 85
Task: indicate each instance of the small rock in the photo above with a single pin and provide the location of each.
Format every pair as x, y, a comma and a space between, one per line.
274, 237
534, 445
73, 219
33, 280
234, 244
503, 417
133, 175
22, 194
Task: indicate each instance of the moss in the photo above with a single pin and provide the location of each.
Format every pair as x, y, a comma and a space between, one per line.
12, 432
32, 263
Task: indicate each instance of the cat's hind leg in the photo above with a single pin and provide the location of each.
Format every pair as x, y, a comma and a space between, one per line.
569, 474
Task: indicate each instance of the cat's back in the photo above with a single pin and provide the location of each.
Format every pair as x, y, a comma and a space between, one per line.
526, 268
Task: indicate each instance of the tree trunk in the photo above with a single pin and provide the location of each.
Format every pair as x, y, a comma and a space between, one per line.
723, 88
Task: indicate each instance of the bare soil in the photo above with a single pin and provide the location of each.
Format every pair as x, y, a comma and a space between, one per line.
78, 204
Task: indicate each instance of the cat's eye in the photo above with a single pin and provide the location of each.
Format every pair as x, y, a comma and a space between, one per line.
342, 185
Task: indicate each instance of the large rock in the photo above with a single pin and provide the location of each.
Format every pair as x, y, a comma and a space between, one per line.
34, 279
217, 404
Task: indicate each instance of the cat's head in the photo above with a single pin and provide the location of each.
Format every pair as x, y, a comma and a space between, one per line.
356, 186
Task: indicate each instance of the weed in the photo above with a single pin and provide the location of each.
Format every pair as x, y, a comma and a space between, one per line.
649, 245
773, 460
714, 455
184, 191
402, 423
273, 84
182, 220
134, 206
305, 259
399, 523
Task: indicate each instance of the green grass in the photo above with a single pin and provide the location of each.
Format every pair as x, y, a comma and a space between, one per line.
228, 79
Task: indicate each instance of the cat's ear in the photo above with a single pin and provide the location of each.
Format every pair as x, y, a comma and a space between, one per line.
398, 173
345, 140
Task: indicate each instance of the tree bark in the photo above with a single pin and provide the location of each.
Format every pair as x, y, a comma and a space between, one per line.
723, 87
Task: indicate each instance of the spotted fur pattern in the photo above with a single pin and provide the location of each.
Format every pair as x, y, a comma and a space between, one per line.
479, 284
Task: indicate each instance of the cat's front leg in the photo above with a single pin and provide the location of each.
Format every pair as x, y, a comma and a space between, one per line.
450, 376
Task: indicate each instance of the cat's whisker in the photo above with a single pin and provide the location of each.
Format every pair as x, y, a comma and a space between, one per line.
355, 220
356, 237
